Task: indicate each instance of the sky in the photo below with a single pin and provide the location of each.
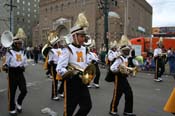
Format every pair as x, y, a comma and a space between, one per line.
163, 12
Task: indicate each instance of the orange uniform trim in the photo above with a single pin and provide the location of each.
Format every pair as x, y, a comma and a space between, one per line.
65, 98
115, 92
45, 66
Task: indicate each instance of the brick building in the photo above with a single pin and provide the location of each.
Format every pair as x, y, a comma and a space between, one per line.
60, 15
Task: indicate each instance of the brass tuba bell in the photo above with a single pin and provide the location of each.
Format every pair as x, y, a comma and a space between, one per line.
52, 39
7, 39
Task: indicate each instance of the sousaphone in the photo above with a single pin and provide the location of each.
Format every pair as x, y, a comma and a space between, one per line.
52, 39
7, 39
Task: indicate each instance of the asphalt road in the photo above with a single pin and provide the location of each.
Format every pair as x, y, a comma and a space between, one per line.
149, 96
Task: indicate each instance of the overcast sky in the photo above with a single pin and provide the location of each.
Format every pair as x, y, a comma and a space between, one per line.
163, 12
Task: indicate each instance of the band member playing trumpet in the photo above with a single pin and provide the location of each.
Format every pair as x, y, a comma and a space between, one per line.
121, 84
75, 91
15, 63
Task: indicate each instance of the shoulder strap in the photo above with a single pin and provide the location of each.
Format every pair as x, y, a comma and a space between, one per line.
69, 49
9, 51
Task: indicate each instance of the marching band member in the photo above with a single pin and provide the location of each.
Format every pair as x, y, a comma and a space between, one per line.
121, 84
53, 57
158, 61
15, 64
75, 91
111, 56
93, 58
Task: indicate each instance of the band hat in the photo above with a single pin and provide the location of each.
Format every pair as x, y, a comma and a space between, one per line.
113, 44
78, 30
54, 40
124, 43
80, 26
20, 34
53, 37
160, 41
16, 39
125, 47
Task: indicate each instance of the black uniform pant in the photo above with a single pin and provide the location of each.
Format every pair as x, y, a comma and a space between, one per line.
16, 79
121, 86
97, 76
54, 81
130, 62
61, 88
160, 67
76, 93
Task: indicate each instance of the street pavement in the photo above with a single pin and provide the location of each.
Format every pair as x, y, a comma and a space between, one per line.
149, 96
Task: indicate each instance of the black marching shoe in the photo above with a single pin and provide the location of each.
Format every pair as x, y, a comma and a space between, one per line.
129, 114
113, 113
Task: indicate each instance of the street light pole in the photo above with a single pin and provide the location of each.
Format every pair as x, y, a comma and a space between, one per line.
126, 17
105, 12
11, 14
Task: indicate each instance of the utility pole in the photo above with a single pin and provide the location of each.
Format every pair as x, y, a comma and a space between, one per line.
11, 14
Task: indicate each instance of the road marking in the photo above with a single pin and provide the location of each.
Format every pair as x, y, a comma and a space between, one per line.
3, 90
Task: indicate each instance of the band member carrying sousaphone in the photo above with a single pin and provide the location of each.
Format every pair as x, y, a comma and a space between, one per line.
52, 55
15, 63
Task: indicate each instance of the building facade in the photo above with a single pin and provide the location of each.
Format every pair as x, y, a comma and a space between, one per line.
4, 17
25, 15
135, 18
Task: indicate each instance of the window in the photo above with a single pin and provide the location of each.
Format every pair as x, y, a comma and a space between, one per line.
17, 19
28, 3
18, 13
23, 2
18, 1
28, 9
28, 15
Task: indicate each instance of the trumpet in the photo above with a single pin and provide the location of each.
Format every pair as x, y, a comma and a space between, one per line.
87, 74
128, 70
